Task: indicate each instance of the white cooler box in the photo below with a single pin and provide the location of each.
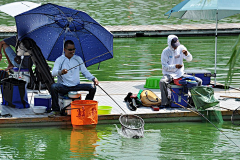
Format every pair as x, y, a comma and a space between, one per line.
63, 103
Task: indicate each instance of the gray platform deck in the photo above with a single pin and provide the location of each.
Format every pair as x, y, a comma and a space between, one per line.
156, 30
117, 90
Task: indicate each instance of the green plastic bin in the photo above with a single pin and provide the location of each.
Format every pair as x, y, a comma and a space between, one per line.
152, 82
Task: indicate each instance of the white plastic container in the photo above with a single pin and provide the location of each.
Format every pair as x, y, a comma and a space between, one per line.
39, 109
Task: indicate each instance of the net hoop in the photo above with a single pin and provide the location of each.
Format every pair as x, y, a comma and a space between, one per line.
236, 113
132, 117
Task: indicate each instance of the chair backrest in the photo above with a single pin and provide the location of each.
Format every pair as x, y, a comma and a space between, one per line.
42, 70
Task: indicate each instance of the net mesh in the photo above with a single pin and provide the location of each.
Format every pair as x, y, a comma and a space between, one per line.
132, 126
212, 115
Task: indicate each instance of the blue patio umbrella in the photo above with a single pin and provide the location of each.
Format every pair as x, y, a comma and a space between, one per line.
208, 10
49, 25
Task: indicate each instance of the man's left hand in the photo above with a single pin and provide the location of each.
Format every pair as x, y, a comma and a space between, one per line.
185, 52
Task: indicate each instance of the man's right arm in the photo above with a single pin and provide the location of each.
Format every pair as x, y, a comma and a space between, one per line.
55, 70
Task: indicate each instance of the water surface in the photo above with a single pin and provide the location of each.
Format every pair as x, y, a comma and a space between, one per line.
161, 141
123, 12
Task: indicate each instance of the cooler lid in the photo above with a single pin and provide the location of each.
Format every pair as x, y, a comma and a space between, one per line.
15, 69
46, 96
196, 70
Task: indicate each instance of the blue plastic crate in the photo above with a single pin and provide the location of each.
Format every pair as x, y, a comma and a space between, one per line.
179, 95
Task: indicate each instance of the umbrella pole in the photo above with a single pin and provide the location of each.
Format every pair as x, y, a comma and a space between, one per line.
215, 73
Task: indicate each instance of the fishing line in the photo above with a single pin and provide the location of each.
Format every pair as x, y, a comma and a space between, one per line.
234, 88
199, 113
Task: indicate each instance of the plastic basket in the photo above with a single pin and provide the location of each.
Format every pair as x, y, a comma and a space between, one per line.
103, 110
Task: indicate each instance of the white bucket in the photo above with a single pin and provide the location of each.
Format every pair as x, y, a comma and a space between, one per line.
63, 103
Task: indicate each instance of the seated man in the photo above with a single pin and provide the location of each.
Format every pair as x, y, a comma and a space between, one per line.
12, 57
68, 79
173, 67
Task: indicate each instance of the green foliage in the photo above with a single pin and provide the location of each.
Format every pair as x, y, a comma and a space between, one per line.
232, 61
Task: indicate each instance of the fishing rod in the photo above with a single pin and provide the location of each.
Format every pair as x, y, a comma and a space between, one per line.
111, 97
89, 60
199, 113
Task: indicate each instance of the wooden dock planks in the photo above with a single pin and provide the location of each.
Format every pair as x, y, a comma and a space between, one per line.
156, 30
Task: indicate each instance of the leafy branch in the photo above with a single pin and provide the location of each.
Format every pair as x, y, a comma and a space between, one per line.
232, 61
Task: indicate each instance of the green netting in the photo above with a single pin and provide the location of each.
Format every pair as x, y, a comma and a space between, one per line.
212, 115
203, 97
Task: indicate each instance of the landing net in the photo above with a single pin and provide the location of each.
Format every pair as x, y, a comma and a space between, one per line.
132, 126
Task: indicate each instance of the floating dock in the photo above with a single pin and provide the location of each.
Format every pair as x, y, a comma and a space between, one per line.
156, 30
118, 91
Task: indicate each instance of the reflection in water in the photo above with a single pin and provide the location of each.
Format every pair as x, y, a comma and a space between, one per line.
83, 140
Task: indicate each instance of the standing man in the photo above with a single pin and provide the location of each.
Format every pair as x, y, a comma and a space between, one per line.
173, 67
68, 79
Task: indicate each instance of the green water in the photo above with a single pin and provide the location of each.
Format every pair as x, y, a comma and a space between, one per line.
161, 141
122, 12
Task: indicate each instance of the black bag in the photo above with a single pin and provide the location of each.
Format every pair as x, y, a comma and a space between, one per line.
14, 93
3, 74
